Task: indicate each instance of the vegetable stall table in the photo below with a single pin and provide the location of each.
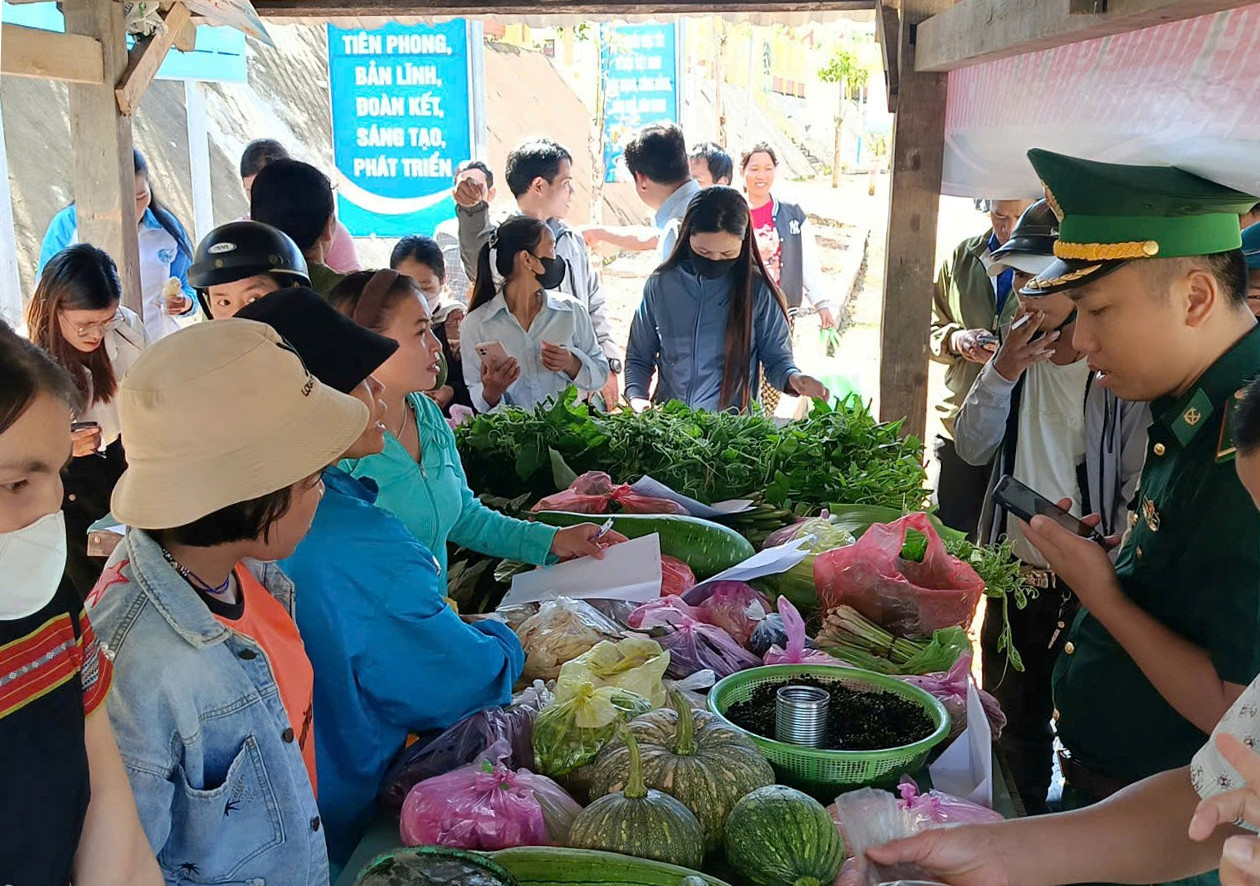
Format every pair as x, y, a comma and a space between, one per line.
382, 836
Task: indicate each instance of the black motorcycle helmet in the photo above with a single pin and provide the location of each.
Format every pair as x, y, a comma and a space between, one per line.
244, 249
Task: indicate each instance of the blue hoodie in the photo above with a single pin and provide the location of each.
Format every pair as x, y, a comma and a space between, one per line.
390, 657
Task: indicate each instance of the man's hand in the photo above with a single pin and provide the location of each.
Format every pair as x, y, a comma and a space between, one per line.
1240, 860
557, 358
1022, 348
640, 404
470, 193
594, 235
967, 344
497, 379
441, 396
453, 322
612, 392
826, 318
85, 441
1082, 564
960, 855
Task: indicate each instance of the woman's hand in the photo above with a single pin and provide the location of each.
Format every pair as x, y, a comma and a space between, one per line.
971, 344
808, 386
962, 855
174, 302
640, 404
1240, 860
1022, 348
85, 441
497, 379
583, 540
453, 321
560, 359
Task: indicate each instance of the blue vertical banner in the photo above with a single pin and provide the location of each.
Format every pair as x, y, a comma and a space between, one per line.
639, 65
402, 122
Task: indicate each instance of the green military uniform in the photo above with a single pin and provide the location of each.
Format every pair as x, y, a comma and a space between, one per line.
324, 279
1191, 557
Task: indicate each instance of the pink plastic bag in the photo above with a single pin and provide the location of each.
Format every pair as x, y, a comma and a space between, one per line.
588, 494
637, 503
935, 808
796, 653
734, 606
676, 577
950, 688
692, 644
486, 806
908, 598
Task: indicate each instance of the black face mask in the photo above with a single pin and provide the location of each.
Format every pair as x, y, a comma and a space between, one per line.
712, 268
553, 272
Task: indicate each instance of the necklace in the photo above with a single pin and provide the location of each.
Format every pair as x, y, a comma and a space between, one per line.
402, 425
196, 581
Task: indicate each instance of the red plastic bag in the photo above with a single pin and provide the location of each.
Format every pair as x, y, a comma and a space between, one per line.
588, 494
734, 606
796, 653
908, 598
637, 503
676, 577
487, 806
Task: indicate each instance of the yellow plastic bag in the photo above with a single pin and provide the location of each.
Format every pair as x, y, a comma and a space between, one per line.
636, 663
572, 731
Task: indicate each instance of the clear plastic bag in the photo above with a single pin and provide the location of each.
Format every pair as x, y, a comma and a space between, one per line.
950, 688
573, 730
870, 817
795, 651
562, 630
935, 808
487, 806
734, 606
635, 663
669, 610
694, 688
464, 741
907, 597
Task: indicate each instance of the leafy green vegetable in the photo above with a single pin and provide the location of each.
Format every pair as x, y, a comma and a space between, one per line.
915, 547
1002, 581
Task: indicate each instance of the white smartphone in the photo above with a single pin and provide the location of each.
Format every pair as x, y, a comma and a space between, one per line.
491, 353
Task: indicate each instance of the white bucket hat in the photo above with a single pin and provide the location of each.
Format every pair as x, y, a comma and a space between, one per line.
221, 413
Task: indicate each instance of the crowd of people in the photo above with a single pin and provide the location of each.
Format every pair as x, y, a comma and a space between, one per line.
173, 715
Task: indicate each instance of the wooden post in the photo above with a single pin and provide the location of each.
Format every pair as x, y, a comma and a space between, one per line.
104, 175
719, 76
10, 280
918, 151
198, 159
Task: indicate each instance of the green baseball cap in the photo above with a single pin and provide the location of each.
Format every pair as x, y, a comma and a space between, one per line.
1112, 213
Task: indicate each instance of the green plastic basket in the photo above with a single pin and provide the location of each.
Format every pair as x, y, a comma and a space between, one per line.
828, 772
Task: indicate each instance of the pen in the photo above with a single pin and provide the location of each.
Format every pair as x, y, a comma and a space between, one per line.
603, 530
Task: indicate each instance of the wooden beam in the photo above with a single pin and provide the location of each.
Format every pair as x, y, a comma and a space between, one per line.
918, 152
186, 36
104, 175
147, 56
30, 52
387, 8
976, 31
888, 32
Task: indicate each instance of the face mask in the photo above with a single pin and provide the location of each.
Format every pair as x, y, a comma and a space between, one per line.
32, 561
712, 268
553, 272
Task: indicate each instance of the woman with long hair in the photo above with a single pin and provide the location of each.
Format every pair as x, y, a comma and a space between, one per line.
66, 809
75, 315
545, 340
421, 259
711, 316
165, 254
419, 475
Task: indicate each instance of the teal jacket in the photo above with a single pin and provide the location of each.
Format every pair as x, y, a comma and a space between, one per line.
434, 501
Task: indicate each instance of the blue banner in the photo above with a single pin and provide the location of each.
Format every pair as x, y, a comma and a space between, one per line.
640, 69
401, 121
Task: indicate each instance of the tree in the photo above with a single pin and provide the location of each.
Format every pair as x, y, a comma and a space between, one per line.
846, 71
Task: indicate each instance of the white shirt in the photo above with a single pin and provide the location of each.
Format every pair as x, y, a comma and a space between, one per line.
560, 321
1209, 771
122, 345
1051, 441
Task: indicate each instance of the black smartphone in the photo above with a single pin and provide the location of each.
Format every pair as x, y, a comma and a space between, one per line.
1026, 503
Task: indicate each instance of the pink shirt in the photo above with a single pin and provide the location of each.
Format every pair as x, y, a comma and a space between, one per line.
341, 256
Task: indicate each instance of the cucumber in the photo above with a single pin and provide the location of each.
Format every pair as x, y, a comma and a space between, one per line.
554, 866
707, 547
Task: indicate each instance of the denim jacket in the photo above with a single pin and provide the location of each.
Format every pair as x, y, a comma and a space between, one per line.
219, 782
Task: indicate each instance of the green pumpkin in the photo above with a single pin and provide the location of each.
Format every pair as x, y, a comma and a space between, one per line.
694, 757
777, 836
640, 822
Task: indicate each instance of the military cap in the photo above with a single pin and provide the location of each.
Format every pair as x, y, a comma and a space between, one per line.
1110, 213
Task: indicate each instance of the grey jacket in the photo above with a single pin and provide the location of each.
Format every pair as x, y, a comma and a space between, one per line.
1115, 447
580, 281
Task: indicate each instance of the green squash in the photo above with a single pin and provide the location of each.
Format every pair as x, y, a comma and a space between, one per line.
692, 756
433, 866
777, 836
640, 822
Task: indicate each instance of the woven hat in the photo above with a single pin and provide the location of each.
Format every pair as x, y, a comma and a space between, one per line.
221, 413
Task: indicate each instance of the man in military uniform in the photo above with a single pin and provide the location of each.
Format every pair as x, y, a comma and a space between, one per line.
1168, 638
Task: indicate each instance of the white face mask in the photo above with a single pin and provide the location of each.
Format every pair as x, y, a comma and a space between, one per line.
32, 561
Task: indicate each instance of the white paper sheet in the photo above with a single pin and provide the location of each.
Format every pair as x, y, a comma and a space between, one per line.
965, 769
629, 571
657, 489
771, 561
